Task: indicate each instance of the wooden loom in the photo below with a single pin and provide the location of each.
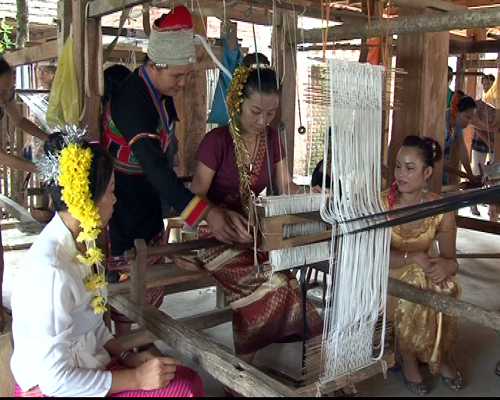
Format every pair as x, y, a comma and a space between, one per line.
129, 298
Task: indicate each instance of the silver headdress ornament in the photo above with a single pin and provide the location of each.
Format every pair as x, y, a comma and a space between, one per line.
48, 165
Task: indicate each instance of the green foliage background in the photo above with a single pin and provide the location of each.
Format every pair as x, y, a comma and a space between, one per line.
5, 31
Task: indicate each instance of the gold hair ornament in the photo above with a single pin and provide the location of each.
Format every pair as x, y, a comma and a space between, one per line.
234, 99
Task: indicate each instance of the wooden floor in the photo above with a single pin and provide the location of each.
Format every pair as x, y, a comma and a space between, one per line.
476, 352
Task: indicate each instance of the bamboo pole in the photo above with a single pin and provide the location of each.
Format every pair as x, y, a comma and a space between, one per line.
479, 18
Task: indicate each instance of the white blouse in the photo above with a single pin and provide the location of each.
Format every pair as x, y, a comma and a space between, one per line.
58, 340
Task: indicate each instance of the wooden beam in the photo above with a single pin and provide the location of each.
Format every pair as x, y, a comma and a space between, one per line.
211, 356
481, 46
478, 224
445, 304
234, 9
126, 32
439, 5
44, 51
425, 23
474, 64
100, 8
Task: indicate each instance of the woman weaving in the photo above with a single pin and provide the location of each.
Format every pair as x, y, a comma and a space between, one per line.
61, 345
422, 334
232, 166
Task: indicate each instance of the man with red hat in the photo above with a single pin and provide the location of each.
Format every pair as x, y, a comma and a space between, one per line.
138, 125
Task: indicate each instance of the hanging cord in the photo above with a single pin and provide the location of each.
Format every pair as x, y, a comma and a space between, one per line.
301, 128
250, 12
123, 18
207, 47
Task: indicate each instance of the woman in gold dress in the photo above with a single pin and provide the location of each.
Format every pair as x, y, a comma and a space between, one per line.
423, 335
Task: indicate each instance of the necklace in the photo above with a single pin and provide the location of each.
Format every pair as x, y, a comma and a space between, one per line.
252, 160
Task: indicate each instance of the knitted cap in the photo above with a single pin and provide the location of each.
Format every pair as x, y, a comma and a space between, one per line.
172, 40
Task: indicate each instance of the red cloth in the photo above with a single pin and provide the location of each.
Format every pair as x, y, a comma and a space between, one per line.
178, 18
187, 383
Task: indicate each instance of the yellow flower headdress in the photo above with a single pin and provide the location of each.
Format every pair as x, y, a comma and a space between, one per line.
70, 170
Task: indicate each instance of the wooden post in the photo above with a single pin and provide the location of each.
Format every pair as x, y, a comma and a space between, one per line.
87, 38
93, 68
78, 13
64, 19
288, 65
138, 272
421, 94
191, 105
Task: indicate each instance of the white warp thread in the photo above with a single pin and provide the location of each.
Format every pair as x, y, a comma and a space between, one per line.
357, 296
296, 256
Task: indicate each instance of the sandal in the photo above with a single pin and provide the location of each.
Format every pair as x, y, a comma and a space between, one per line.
418, 388
497, 368
455, 384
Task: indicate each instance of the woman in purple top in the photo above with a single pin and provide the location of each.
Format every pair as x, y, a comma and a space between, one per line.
233, 161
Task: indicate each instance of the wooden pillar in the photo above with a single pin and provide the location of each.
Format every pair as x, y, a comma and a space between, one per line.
421, 93
64, 19
78, 13
92, 99
286, 66
87, 39
191, 105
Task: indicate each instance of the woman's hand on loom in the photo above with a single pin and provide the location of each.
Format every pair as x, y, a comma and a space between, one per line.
156, 373
228, 226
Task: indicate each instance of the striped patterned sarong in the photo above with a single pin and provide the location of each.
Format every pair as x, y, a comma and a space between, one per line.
186, 383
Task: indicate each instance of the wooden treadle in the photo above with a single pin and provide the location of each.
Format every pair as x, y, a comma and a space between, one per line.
161, 275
